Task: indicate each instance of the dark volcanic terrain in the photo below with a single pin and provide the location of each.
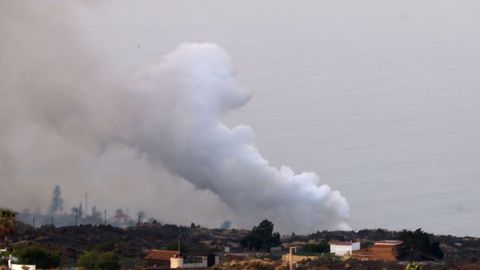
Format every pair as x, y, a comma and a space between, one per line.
134, 242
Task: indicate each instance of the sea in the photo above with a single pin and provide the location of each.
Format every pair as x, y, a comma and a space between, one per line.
380, 98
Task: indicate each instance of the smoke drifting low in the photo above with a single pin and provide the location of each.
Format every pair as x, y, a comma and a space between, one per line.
154, 141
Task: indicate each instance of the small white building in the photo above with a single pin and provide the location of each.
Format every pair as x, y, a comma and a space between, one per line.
342, 248
199, 261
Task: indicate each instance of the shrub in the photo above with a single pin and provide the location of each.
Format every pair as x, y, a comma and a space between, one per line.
88, 260
108, 261
417, 245
42, 258
322, 247
105, 261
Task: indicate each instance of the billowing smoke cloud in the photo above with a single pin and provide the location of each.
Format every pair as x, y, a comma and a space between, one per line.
61, 122
183, 100
154, 141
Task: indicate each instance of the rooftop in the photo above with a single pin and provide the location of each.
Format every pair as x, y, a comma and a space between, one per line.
342, 243
160, 255
388, 243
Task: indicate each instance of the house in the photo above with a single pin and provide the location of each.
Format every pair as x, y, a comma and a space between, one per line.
167, 259
159, 259
194, 261
386, 250
342, 248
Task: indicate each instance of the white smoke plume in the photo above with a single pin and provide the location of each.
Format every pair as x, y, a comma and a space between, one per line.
183, 100
154, 141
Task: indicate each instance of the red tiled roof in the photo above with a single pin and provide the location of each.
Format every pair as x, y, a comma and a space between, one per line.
160, 255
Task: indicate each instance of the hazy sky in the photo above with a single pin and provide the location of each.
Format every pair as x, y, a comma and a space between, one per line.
378, 98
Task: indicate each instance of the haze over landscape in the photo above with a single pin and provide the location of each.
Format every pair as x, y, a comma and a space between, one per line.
380, 99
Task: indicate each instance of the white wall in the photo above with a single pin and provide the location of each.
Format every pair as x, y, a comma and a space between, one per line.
341, 250
178, 263
20, 267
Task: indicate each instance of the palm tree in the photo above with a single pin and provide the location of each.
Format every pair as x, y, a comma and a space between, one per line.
8, 224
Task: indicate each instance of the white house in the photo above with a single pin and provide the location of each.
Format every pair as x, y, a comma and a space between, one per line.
192, 261
342, 248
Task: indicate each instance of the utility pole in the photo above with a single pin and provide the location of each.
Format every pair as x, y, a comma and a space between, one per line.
52, 221
33, 223
178, 245
291, 249
105, 217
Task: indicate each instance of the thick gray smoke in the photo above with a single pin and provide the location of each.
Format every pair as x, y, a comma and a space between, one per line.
154, 141
61, 120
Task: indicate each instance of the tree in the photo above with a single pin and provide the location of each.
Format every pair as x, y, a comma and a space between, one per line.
88, 260
57, 202
261, 237
108, 261
8, 224
174, 247
42, 258
322, 247
417, 245
93, 260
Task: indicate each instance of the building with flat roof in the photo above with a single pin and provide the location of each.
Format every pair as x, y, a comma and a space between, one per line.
167, 259
342, 248
386, 250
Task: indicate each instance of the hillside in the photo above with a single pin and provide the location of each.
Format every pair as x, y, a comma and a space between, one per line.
133, 243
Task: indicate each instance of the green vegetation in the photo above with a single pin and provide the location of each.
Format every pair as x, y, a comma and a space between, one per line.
132, 243
8, 224
418, 246
104, 246
4, 258
105, 261
41, 257
108, 260
261, 237
174, 247
322, 247
413, 266
88, 260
